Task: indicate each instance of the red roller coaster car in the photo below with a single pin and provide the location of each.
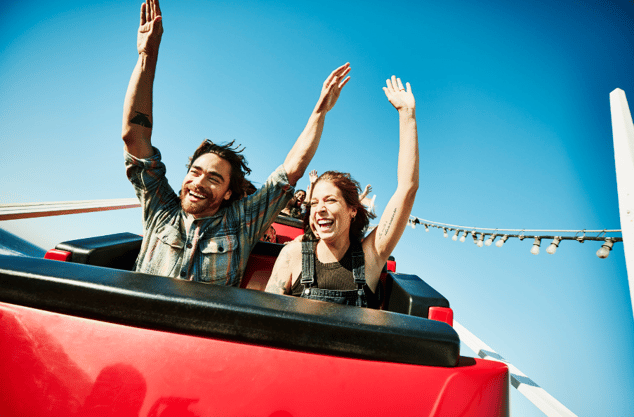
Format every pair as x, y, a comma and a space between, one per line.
88, 337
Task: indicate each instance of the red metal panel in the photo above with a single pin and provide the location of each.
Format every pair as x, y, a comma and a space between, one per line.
391, 266
286, 233
258, 272
444, 314
58, 255
57, 365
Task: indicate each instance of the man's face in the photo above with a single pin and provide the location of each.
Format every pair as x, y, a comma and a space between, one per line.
206, 186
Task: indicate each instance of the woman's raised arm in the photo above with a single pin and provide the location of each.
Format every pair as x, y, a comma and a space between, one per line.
394, 219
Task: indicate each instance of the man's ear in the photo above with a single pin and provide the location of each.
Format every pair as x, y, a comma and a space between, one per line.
227, 195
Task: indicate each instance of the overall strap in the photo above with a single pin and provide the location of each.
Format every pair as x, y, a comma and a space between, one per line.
358, 265
308, 263
358, 272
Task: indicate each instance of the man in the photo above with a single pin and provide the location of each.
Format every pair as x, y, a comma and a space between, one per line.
206, 233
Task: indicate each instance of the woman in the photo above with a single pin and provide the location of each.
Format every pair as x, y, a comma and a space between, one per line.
342, 266
294, 206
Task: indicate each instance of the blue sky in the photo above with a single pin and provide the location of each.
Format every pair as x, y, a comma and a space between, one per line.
514, 129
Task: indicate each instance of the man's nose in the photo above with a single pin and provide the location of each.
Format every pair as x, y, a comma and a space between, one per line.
198, 180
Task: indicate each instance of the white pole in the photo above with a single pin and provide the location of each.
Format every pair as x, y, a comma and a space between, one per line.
533, 392
29, 210
623, 133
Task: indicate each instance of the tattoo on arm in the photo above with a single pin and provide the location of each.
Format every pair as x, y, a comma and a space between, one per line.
386, 229
278, 283
141, 119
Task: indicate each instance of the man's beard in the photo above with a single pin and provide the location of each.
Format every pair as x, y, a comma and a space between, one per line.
194, 208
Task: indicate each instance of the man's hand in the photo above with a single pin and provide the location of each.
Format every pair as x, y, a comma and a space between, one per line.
306, 144
150, 28
312, 176
400, 98
332, 88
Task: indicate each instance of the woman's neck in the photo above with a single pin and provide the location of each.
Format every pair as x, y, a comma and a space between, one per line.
332, 251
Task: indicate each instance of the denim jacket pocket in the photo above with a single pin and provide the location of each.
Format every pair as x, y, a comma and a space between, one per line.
218, 263
166, 248
171, 236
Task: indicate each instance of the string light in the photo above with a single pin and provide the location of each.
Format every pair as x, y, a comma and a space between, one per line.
553, 246
535, 248
500, 242
479, 234
605, 249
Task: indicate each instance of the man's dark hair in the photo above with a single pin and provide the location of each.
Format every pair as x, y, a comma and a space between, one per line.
239, 168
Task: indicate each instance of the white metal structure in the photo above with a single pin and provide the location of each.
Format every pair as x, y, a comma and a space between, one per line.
29, 210
535, 394
623, 133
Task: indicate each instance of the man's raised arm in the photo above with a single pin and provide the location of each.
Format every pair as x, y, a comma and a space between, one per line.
305, 147
137, 108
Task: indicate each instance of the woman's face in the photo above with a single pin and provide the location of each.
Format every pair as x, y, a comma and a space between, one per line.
330, 216
300, 195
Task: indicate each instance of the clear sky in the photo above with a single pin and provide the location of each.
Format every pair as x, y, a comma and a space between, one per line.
514, 129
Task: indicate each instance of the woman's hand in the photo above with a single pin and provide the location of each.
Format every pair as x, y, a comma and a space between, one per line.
400, 98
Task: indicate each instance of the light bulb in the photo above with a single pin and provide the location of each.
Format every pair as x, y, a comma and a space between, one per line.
480, 241
426, 228
490, 240
474, 236
444, 232
500, 242
411, 223
455, 237
464, 236
605, 248
535, 248
553, 246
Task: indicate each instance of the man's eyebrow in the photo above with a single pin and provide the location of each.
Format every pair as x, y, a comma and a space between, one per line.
209, 173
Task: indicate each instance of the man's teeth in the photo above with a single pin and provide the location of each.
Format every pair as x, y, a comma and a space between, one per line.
196, 194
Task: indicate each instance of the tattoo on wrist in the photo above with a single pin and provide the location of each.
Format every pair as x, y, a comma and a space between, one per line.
141, 119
